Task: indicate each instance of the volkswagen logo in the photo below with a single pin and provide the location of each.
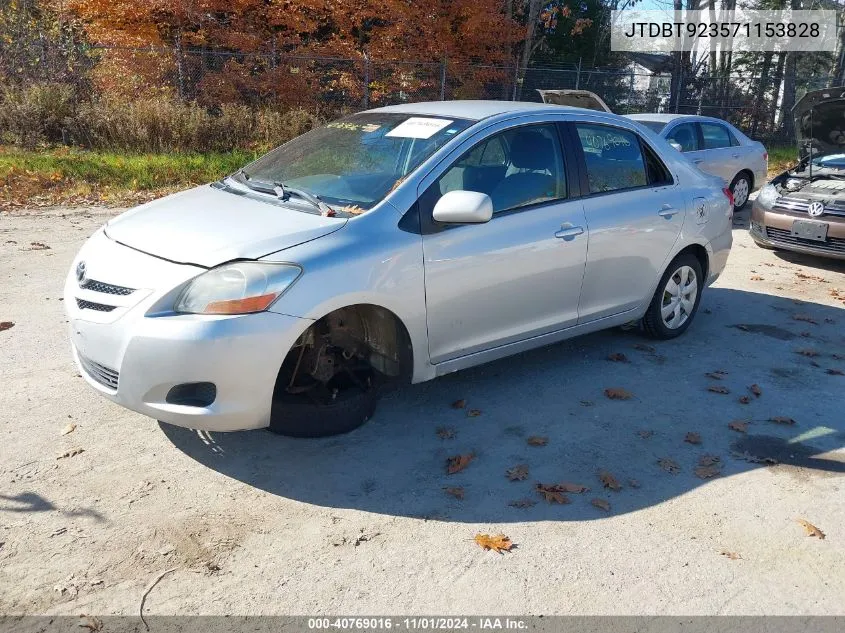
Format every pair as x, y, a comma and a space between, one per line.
815, 209
80, 272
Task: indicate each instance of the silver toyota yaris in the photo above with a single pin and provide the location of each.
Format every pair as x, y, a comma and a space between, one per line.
398, 244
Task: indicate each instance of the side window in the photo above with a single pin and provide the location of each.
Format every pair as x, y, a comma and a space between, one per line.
685, 136
658, 173
715, 136
613, 158
515, 168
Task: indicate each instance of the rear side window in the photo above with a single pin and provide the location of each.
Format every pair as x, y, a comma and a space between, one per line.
613, 158
715, 136
685, 136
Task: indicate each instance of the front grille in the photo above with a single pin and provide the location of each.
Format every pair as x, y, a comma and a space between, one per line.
100, 373
110, 289
782, 236
799, 205
82, 304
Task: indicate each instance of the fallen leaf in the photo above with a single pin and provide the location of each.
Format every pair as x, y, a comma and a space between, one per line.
718, 389
731, 555
805, 317
812, 530
782, 419
71, 453
473, 413
634, 483
714, 375
614, 393
601, 504
838, 356
757, 278
644, 348
39, 246
742, 326
537, 440
90, 622
708, 460
618, 358
645, 433
525, 502
739, 426
608, 480
70, 428
586, 403
744, 399
755, 389
707, 472
670, 466
456, 492
551, 493
829, 320
445, 432
692, 438
517, 473
457, 463
6, 325
811, 353
835, 372
459, 404
577, 489
498, 543
707, 311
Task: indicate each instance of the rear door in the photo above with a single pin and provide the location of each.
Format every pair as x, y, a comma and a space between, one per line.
634, 212
718, 154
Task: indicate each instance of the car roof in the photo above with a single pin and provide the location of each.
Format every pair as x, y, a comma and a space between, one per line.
474, 110
669, 118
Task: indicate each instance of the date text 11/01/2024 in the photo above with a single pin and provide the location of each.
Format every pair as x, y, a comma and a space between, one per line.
418, 623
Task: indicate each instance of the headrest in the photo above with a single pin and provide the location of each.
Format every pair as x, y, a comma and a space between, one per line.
532, 150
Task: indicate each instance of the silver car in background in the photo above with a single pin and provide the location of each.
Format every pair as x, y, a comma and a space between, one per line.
714, 146
397, 244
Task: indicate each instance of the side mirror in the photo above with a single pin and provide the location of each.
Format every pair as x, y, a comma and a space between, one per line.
677, 146
463, 207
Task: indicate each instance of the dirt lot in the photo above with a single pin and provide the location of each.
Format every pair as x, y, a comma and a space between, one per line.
361, 524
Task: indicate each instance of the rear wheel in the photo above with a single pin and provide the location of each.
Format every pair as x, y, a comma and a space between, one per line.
676, 300
741, 189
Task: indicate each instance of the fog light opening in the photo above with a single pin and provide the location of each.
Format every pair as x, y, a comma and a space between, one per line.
192, 394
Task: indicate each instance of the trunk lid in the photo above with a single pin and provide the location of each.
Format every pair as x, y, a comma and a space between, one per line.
575, 98
210, 225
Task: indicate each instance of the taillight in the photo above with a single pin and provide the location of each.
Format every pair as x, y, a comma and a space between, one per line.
765, 155
730, 196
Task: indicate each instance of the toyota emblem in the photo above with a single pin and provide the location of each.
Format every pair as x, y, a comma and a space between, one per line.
80, 272
815, 209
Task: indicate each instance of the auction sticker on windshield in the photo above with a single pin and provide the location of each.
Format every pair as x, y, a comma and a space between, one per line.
418, 127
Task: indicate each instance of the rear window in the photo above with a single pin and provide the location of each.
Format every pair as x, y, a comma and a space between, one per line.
654, 126
715, 136
613, 158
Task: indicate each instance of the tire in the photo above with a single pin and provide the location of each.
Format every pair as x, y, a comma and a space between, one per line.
742, 181
298, 418
653, 322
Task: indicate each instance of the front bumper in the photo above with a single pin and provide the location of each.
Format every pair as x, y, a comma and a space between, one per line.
133, 355
773, 229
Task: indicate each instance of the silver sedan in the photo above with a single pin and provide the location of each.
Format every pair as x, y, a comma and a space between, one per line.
397, 244
716, 147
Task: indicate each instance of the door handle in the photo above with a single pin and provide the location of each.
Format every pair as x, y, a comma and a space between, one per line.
569, 232
667, 211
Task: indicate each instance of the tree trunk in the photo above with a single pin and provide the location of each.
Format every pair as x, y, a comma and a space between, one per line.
675, 86
529, 44
762, 88
778, 84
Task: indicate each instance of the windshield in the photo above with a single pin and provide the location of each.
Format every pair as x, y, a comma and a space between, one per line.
654, 126
356, 161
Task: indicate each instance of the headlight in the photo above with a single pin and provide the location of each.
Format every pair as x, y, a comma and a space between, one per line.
237, 288
768, 196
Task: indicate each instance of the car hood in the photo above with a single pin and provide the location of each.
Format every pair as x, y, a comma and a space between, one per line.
820, 122
210, 225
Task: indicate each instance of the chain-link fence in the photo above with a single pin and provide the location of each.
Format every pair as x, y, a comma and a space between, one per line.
333, 86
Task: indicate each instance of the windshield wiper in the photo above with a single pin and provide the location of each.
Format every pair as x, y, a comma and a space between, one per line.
283, 193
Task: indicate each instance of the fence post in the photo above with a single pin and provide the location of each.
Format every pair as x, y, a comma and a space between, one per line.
515, 79
366, 81
630, 93
179, 66
680, 88
578, 75
443, 80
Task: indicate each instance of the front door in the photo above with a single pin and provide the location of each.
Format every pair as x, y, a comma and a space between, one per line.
519, 275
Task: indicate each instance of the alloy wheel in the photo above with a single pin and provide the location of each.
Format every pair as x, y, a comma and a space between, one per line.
740, 192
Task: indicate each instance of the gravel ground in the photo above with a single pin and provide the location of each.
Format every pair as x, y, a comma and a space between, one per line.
361, 524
